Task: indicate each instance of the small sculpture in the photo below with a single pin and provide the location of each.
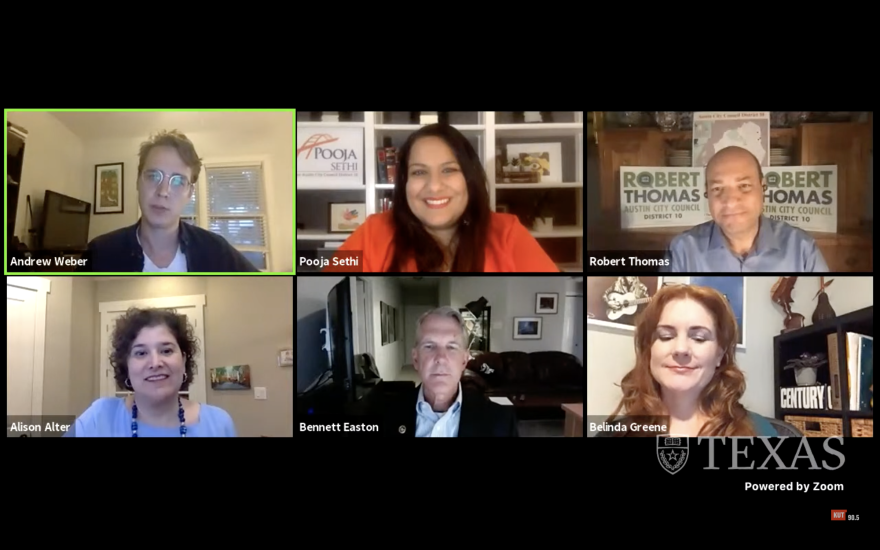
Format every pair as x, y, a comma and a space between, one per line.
780, 293
805, 368
823, 309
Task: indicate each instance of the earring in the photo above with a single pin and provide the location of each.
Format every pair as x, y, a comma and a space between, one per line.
184, 377
128, 384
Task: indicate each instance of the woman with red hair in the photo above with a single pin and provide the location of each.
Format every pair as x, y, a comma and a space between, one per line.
685, 375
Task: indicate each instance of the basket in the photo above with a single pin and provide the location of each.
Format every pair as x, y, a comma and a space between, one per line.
862, 427
817, 426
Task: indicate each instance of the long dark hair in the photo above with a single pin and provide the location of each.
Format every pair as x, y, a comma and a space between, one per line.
412, 240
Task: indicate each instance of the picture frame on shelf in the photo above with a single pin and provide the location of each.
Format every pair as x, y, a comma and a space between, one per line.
545, 158
110, 188
345, 217
527, 328
546, 303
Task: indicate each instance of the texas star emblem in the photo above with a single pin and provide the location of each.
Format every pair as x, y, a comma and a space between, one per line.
672, 452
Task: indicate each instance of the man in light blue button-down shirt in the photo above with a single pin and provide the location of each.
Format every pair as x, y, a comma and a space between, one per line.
740, 238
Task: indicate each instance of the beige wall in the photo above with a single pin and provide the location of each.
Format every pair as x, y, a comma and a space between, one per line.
247, 320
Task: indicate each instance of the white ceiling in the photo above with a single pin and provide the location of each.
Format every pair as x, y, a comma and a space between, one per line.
105, 124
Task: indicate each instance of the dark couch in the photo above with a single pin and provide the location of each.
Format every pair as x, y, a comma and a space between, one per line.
540, 381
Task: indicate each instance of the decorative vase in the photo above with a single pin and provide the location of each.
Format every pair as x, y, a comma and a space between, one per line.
544, 225
823, 309
805, 376
666, 120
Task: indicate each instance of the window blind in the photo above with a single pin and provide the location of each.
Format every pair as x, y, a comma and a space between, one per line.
236, 208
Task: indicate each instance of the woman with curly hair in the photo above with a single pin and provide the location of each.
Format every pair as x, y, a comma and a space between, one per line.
153, 356
686, 375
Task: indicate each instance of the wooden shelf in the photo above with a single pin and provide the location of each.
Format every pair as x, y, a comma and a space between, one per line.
813, 339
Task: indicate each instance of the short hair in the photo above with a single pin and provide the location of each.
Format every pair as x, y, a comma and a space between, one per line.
177, 140
444, 311
754, 158
130, 324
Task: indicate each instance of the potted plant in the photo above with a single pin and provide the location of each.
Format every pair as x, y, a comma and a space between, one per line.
540, 218
805, 368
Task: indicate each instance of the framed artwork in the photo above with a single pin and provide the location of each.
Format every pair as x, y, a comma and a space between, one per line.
285, 358
546, 302
734, 288
387, 323
345, 217
109, 188
237, 377
546, 157
616, 302
527, 328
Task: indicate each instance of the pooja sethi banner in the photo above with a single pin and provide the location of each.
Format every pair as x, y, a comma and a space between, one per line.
802, 196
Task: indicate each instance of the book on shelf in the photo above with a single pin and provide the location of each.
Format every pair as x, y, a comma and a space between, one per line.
858, 373
386, 164
815, 397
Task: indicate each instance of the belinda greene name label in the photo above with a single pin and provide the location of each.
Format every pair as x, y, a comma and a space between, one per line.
794, 486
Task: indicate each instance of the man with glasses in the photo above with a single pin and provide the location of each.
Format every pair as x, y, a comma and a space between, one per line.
168, 170
740, 238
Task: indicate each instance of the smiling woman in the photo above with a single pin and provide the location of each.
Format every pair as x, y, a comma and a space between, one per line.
153, 356
441, 219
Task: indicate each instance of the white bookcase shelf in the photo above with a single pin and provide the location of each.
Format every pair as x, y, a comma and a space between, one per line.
486, 130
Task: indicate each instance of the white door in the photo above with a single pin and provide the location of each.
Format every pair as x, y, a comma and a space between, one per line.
191, 306
573, 326
25, 344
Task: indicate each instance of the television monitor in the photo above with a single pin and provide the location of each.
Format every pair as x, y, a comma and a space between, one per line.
340, 329
65, 225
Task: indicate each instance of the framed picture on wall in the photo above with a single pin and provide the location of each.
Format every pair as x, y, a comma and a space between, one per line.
109, 188
546, 302
527, 328
616, 302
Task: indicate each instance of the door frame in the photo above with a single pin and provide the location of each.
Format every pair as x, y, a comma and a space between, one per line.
569, 322
42, 287
194, 301
370, 346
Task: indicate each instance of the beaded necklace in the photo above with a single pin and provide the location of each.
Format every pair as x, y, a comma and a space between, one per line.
134, 415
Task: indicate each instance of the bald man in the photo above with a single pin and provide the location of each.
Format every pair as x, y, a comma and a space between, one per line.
740, 238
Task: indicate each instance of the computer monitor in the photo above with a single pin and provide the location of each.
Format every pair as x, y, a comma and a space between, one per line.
339, 323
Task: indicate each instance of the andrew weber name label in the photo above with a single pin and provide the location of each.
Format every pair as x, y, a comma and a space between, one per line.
802, 196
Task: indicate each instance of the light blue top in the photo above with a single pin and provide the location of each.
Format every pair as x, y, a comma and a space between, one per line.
763, 428
437, 424
109, 417
779, 247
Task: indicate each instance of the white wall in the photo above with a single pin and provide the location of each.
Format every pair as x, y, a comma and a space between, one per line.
212, 147
512, 297
610, 352
390, 358
54, 158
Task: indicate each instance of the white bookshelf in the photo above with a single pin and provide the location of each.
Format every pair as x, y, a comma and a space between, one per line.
485, 130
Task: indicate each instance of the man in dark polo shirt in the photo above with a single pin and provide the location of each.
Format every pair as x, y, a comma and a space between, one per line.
160, 242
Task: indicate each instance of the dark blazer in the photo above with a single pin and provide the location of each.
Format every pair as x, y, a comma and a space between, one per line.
119, 251
397, 408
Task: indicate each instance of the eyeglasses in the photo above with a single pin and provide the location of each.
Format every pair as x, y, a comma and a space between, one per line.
176, 182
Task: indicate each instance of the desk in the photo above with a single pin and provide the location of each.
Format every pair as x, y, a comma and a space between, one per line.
574, 420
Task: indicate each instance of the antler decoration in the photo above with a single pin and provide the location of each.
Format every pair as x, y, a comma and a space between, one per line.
822, 286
